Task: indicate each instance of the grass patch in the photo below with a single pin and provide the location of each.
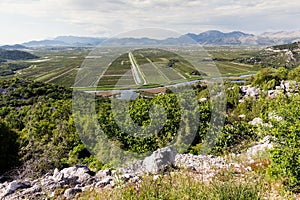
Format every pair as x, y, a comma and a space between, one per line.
181, 186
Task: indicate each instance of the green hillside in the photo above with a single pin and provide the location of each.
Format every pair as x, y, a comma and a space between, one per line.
287, 55
13, 60
16, 55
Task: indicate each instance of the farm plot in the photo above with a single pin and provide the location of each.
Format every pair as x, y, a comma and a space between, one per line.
164, 65
118, 73
58, 67
233, 68
153, 75
66, 79
171, 73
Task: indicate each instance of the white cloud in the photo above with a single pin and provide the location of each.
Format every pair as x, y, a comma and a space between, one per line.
98, 17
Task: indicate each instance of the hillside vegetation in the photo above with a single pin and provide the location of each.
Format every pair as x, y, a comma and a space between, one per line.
41, 116
16, 55
38, 133
287, 56
9, 61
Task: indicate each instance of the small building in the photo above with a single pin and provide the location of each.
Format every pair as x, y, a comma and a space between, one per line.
109, 94
153, 92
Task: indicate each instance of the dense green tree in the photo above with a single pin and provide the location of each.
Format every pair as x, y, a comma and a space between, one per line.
282, 73
286, 128
49, 135
294, 74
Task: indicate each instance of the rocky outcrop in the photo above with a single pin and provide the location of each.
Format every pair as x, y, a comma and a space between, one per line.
206, 165
289, 87
286, 87
71, 192
72, 181
260, 148
159, 159
153, 163
248, 91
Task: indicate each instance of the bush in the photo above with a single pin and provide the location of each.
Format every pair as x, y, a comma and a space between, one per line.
234, 138
282, 73
81, 155
48, 137
233, 95
268, 78
286, 155
250, 107
294, 74
139, 113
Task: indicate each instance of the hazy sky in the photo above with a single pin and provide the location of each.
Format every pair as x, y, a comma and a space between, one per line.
24, 20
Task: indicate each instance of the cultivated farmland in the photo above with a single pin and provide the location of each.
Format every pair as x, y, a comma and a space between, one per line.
151, 67
143, 67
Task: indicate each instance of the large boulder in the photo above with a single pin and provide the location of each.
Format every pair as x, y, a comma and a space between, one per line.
249, 91
103, 174
159, 159
78, 173
260, 148
10, 188
71, 192
104, 182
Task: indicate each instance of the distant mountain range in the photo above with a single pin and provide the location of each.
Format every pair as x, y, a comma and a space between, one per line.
219, 38
13, 47
66, 41
212, 37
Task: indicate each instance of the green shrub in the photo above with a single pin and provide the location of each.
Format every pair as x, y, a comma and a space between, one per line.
250, 107
268, 78
80, 154
286, 154
282, 73
48, 137
118, 124
294, 74
234, 138
233, 95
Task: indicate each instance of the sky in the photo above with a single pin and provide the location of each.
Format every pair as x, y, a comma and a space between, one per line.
25, 20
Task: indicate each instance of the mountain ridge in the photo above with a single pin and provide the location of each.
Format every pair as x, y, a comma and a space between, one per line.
211, 37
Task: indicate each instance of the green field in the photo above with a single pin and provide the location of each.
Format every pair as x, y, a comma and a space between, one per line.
61, 66
151, 67
54, 66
